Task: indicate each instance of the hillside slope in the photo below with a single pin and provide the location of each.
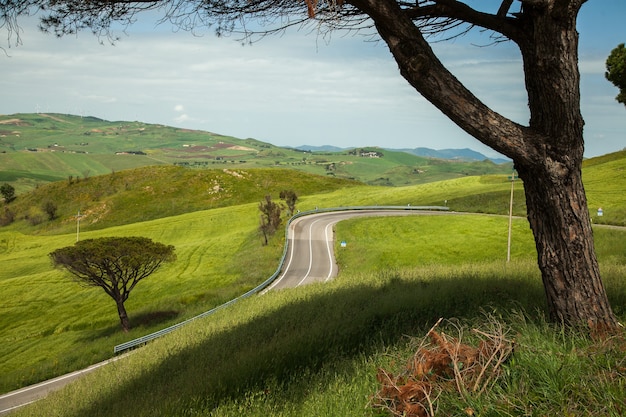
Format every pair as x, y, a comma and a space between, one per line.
39, 148
153, 192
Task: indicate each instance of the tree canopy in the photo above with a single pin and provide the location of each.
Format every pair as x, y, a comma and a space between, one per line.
616, 71
290, 197
115, 264
547, 151
270, 217
8, 192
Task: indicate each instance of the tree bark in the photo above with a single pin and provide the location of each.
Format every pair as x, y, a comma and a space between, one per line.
548, 153
555, 196
559, 219
121, 311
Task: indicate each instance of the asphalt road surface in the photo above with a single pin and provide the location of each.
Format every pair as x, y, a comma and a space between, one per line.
310, 259
21, 397
310, 256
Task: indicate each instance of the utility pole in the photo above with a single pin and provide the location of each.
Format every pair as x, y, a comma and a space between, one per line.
77, 225
508, 248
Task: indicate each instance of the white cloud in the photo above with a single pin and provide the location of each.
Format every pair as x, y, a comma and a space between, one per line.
288, 90
181, 119
97, 98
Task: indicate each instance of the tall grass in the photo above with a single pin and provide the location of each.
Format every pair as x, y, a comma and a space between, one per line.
46, 319
314, 351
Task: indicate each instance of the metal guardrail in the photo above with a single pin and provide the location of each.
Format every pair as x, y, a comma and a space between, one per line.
144, 339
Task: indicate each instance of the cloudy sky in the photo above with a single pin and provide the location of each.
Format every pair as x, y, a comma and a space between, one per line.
296, 89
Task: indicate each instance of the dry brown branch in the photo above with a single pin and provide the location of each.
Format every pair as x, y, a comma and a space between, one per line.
443, 364
312, 8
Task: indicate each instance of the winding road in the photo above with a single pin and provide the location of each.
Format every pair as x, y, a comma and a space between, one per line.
310, 258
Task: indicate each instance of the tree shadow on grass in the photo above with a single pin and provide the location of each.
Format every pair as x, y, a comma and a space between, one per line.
300, 337
151, 318
145, 320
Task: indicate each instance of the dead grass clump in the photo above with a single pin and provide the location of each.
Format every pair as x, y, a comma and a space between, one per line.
444, 364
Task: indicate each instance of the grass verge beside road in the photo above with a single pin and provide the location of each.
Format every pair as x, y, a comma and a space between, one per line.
315, 351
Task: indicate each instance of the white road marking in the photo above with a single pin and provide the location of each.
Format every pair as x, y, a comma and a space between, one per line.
308, 272
329, 246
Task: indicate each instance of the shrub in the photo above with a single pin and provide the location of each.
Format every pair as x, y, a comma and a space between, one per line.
50, 209
8, 192
7, 217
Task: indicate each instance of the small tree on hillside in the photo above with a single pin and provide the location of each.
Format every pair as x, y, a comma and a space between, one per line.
115, 264
51, 210
616, 71
8, 192
270, 217
290, 197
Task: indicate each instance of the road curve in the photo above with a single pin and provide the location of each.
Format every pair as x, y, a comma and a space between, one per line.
310, 257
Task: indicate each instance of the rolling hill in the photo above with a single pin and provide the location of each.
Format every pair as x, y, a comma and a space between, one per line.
40, 148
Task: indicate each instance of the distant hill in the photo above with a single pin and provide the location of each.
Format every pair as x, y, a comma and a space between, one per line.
323, 148
37, 148
466, 154
160, 191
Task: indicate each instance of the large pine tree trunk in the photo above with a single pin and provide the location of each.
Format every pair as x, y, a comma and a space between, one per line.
548, 153
559, 219
551, 171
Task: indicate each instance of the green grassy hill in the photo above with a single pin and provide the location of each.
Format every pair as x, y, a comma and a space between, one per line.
39, 148
148, 193
604, 183
259, 357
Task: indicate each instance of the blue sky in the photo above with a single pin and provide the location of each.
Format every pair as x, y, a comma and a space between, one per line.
295, 89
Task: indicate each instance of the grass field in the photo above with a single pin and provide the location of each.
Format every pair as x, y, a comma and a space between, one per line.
50, 324
397, 276
604, 178
257, 358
